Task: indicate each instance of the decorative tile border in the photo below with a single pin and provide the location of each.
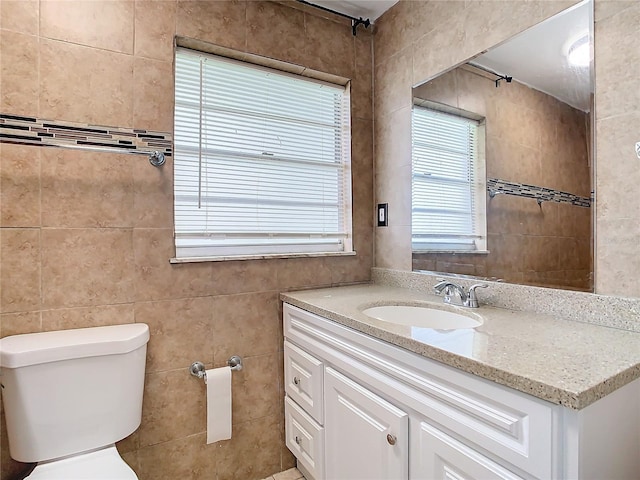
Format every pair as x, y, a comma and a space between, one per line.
33, 131
496, 186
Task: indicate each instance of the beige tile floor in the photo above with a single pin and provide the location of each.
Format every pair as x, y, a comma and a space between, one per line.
291, 474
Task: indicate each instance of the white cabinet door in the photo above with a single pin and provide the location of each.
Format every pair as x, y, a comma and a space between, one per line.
437, 456
366, 438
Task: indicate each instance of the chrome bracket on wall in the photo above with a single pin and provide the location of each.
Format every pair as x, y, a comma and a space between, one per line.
197, 369
156, 159
354, 21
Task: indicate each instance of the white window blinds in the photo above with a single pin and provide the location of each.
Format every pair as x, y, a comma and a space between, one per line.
262, 160
445, 207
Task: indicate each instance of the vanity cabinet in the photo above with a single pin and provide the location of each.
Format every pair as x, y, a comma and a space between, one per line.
360, 408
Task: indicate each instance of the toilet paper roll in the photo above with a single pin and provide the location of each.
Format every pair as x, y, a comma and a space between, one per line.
218, 404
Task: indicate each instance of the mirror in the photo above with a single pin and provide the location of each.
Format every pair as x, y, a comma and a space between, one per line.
533, 96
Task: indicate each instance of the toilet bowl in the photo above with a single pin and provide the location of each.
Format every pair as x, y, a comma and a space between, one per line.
70, 395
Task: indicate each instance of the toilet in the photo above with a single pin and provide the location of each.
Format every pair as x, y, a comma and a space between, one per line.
70, 395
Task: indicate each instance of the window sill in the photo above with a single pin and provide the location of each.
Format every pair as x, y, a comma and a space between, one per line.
454, 252
260, 257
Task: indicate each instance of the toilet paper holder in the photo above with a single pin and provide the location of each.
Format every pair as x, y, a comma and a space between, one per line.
197, 369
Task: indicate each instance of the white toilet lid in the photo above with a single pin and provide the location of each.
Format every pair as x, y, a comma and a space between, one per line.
105, 464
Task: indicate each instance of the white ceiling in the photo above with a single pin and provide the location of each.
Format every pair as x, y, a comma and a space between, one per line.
537, 57
370, 9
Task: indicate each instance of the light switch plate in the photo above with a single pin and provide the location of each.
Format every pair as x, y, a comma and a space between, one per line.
383, 209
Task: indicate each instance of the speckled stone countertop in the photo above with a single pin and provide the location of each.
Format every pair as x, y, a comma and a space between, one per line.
561, 361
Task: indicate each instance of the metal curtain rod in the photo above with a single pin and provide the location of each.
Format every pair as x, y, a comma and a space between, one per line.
354, 21
506, 78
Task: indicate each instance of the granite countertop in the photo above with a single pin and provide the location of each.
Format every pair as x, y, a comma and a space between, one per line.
561, 361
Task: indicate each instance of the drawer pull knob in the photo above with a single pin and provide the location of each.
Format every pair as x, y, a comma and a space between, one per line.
296, 380
391, 439
298, 440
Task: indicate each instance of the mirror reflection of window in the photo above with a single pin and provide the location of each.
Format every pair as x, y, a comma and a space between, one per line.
448, 180
539, 153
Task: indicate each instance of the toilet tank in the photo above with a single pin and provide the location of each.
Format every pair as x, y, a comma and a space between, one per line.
71, 391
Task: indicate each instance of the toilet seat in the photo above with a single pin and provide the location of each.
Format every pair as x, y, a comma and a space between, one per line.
104, 464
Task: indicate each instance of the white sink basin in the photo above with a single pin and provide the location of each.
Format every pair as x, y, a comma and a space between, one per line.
425, 317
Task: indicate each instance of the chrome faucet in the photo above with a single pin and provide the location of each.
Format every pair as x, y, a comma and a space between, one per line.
467, 297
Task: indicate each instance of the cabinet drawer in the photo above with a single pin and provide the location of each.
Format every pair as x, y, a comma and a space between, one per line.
303, 380
305, 439
440, 456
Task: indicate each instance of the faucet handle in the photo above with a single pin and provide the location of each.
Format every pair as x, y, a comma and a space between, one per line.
442, 285
471, 299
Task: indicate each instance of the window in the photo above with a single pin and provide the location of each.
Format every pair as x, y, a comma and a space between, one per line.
262, 161
448, 182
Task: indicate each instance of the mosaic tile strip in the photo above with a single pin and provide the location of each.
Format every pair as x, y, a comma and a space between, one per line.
46, 133
496, 186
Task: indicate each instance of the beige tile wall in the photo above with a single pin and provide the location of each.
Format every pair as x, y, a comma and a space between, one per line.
86, 237
531, 138
416, 40
617, 130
